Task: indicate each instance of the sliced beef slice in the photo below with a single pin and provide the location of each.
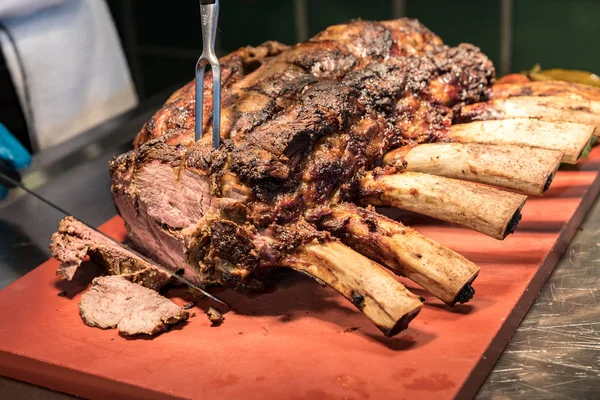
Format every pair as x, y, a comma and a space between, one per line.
115, 302
74, 241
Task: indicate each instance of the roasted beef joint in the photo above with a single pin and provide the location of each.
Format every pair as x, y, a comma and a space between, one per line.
314, 135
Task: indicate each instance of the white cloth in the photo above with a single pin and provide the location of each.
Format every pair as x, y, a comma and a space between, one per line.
73, 66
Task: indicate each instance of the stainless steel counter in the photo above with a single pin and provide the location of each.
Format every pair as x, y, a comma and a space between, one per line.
554, 354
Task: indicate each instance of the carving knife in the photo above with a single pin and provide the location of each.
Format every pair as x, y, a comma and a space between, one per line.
10, 178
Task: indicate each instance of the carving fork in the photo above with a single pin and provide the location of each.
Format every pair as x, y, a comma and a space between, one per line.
209, 13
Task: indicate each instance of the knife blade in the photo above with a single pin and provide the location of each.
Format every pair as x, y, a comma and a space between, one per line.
8, 181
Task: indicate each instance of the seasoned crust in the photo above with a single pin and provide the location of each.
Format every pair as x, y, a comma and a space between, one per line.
178, 111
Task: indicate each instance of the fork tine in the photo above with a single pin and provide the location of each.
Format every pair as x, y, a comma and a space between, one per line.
216, 134
200, 67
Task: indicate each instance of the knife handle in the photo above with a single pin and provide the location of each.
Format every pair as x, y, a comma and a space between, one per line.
12, 151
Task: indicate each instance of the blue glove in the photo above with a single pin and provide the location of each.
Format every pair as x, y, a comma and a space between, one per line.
13, 156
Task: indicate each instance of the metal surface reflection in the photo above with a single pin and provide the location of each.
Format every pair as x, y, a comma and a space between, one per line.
555, 353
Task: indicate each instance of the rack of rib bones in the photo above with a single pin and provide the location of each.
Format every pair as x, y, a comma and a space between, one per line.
363, 114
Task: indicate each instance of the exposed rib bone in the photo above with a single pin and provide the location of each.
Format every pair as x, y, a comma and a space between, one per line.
374, 291
524, 169
443, 272
488, 210
570, 138
550, 88
549, 108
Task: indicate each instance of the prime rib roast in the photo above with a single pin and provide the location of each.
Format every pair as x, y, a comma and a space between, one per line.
315, 134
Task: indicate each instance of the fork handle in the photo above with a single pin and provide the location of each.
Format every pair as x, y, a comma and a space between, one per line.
209, 14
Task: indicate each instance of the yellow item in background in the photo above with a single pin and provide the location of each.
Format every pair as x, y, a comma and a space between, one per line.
567, 75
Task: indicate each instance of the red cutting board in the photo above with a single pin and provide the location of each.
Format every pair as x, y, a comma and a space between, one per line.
301, 340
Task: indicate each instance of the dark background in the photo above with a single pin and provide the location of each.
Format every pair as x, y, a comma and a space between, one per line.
162, 39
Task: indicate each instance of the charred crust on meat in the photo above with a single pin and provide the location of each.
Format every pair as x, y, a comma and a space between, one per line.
214, 316
160, 150
254, 164
328, 58
371, 224
231, 243
236, 212
199, 157
289, 238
